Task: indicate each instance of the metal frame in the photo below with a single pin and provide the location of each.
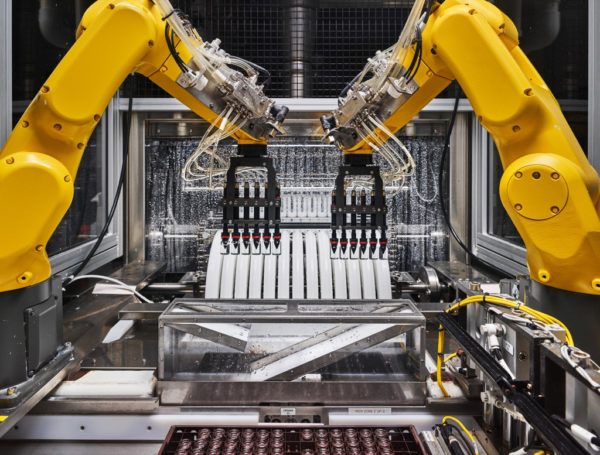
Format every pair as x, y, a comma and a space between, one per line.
593, 84
459, 185
111, 247
493, 249
294, 104
135, 204
6, 62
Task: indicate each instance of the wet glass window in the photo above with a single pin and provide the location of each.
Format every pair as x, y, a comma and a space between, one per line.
182, 216
43, 32
554, 35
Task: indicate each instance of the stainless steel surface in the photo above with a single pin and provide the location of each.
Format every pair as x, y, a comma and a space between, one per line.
43, 382
136, 200
6, 105
328, 347
581, 403
88, 318
401, 392
459, 206
461, 274
593, 145
116, 427
137, 350
343, 353
78, 448
295, 105
96, 406
401, 311
142, 311
569, 308
230, 335
139, 274
168, 287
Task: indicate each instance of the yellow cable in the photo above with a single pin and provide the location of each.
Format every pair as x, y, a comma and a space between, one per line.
499, 301
450, 357
464, 429
440, 358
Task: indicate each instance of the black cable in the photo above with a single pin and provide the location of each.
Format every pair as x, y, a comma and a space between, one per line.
441, 191
111, 214
454, 447
344, 92
468, 444
260, 69
170, 39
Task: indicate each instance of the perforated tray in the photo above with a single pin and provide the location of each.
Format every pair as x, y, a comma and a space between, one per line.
192, 440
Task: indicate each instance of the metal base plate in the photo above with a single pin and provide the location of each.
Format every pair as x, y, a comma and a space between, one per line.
17, 401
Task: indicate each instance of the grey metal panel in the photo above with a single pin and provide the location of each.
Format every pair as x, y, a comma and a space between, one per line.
459, 185
65, 262
77, 448
114, 159
136, 200
594, 84
6, 64
295, 105
152, 427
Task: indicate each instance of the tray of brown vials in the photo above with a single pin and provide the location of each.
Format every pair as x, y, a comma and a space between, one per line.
191, 440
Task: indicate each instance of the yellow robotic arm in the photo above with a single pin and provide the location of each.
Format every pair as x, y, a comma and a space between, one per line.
549, 188
39, 162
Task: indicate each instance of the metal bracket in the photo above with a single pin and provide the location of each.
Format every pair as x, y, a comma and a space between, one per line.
250, 156
376, 211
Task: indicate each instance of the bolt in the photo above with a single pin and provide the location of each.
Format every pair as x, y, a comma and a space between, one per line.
518, 174
39, 248
555, 175
11, 391
45, 89
57, 126
554, 209
518, 207
522, 355
24, 123
67, 178
536, 175
10, 160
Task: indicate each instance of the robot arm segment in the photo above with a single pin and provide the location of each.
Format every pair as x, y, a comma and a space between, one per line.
39, 162
549, 189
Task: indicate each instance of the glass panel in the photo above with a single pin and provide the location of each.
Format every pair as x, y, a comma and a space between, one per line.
554, 35
180, 215
43, 31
